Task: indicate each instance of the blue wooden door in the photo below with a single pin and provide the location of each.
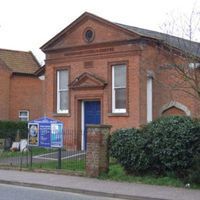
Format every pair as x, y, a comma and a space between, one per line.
92, 115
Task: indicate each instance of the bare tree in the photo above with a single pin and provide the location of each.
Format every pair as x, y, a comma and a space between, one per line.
183, 54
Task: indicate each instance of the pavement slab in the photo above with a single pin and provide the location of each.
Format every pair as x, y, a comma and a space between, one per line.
98, 187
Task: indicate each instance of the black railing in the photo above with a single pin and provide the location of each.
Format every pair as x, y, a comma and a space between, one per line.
70, 157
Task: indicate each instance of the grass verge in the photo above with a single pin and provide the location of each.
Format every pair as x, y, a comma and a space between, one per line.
116, 173
71, 165
9, 154
35, 151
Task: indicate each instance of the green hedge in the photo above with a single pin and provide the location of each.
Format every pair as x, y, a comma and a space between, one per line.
128, 147
167, 145
9, 129
173, 142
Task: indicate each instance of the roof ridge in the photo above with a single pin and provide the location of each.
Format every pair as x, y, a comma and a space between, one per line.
34, 58
13, 50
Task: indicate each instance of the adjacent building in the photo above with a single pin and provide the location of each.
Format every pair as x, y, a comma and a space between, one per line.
21, 86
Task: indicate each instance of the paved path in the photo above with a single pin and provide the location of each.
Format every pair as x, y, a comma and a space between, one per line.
97, 187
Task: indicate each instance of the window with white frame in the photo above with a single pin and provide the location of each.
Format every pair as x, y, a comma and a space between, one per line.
119, 89
194, 65
24, 115
62, 91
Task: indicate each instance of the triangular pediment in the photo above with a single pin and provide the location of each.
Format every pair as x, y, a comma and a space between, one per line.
74, 35
87, 81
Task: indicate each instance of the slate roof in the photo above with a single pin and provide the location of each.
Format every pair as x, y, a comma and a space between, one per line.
176, 42
19, 61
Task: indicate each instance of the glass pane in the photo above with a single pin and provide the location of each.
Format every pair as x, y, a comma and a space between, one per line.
23, 114
24, 119
64, 100
120, 98
120, 76
63, 79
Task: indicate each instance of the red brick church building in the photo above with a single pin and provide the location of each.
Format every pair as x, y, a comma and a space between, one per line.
99, 72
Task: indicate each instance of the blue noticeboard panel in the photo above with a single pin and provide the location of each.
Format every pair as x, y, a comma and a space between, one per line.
45, 135
50, 133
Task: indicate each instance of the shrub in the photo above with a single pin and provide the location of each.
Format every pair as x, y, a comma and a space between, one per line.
167, 145
128, 148
173, 141
194, 171
9, 129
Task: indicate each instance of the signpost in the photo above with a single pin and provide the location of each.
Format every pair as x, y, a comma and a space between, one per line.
46, 132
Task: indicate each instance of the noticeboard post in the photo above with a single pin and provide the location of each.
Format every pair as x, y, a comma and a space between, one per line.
45, 132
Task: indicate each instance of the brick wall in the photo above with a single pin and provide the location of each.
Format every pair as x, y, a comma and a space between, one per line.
4, 93
164, 78
173, 111
139, 56
26, 93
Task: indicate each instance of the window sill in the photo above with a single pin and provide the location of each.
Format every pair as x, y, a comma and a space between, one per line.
61, 114
118, 114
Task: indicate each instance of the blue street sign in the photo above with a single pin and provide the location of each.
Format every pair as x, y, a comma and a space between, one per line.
45, 135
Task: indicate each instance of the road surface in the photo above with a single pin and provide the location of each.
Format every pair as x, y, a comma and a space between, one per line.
11, 192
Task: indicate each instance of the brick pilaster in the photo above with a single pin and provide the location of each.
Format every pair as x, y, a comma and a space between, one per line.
97, 155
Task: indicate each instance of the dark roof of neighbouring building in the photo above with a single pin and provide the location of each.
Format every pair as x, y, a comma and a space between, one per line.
40, 71
19, 61
187, 46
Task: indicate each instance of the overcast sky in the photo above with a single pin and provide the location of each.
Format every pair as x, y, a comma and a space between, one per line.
28, 24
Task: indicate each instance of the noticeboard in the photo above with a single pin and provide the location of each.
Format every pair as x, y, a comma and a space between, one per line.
56, 134
33, 130
45, 132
